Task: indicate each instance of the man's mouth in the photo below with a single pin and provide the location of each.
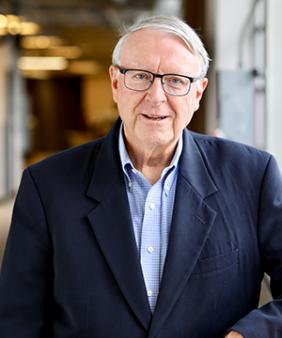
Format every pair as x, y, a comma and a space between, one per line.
154, 117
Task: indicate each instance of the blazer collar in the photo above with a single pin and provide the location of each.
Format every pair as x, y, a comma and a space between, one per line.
193, 167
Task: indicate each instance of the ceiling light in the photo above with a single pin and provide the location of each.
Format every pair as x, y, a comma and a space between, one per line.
29, 28
40, 42
3, 21
16, 25
26, 63
69, 52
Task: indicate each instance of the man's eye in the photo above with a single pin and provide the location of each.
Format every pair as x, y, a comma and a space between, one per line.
141, 76
176, 81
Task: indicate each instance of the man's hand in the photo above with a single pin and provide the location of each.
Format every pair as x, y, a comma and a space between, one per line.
234, 334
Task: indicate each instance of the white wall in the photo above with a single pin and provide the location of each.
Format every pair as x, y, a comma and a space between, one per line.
12, 120
233, 63
274, 78
230, 16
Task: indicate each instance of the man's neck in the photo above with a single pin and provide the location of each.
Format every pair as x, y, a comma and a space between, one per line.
151, 161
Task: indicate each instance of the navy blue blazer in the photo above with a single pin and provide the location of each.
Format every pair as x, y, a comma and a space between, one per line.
71, 267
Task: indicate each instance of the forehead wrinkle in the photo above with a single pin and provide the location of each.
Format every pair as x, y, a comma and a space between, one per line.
158, 51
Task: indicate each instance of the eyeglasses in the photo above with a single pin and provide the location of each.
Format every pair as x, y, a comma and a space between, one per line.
141, 80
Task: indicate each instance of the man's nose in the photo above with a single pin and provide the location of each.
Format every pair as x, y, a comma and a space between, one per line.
156, 93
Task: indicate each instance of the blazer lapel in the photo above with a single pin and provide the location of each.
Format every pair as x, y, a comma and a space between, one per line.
111, 223
191, 224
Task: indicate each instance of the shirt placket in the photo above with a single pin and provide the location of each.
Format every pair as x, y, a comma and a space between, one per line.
151, 244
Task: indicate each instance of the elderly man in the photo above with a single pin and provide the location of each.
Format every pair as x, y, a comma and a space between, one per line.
152, 231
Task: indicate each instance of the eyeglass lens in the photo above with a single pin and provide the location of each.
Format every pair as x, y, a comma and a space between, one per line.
172, 84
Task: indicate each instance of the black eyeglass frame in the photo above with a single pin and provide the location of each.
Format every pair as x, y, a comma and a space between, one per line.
123, 71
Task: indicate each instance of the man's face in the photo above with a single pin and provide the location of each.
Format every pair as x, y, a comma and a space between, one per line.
153, 118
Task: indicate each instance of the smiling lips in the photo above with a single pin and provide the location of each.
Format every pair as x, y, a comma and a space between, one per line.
154, 117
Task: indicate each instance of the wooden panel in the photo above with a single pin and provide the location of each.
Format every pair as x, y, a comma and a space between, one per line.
194, 14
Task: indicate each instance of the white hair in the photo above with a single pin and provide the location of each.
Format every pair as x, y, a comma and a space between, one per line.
169, 24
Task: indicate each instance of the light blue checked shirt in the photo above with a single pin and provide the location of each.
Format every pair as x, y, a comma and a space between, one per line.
151, 208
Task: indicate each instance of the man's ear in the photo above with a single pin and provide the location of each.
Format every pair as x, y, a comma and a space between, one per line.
201, 86
113, 71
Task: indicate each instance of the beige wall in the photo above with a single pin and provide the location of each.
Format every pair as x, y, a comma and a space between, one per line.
97, 99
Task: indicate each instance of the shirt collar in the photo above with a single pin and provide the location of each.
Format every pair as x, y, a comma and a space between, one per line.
124, 157
127, 164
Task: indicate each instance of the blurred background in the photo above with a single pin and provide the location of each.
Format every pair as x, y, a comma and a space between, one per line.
54, 86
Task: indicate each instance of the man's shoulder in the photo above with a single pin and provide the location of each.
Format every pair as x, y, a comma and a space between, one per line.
220, 144
229, 153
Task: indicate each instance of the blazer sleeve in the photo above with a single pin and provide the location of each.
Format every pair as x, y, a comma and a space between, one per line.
26, 275
266, 322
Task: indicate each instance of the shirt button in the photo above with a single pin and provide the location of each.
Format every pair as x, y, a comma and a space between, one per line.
152, 206
150, 249
150, 293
